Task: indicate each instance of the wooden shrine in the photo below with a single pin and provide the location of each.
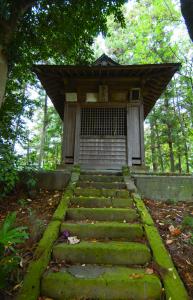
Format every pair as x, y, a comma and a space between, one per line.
103, 107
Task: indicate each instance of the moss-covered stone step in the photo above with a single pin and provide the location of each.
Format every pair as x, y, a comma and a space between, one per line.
101, 173
102, 185
103, 230
101, 178
113, 253
102, 214
97, 282
101, 202
91, 192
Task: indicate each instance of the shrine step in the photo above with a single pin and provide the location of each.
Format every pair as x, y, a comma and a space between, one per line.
102, 185
101, 202
101, 173
101, 178
91, 192
98, 282
113, 253
102, 214
104, 230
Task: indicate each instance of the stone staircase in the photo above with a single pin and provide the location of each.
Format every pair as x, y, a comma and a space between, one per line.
112, 259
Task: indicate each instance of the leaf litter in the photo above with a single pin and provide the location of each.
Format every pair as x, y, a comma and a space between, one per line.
174, 224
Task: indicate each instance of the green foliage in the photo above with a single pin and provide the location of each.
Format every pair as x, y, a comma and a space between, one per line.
126, 171
31, 183
8, 172
22, 202
9, 237
191, 239
154, 33
171, 201
188, 221
33, 32
55, 25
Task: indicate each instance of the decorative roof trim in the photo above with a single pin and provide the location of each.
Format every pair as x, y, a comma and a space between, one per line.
105, 60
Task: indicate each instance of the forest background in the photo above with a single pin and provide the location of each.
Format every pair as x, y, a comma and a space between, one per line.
153, 31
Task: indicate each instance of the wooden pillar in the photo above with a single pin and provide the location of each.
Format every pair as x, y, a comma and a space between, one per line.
77, 135
129, 138
142, 134
64, 133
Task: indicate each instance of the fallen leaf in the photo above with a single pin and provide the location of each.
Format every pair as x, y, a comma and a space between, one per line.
56, 195
149, 271
136, 276
17, 286
174, 231
169, 242
21, 263
171, 228
188, 262
168, 216
73, 240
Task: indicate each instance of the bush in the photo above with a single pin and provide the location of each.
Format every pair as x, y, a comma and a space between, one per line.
9, 237
8, 171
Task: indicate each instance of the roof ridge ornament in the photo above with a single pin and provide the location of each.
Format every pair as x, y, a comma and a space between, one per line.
105, 60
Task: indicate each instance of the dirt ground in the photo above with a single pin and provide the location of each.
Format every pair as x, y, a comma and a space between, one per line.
175, 224
34, 213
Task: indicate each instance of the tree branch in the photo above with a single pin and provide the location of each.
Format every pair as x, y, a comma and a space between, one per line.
17, 11
187, 12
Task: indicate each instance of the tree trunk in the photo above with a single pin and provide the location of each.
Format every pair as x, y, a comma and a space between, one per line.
186, 151
179, 163
3, 74
159, 147
182, 126
28, 151
171, 152
169, 136
43, 134
153, 147
19, 117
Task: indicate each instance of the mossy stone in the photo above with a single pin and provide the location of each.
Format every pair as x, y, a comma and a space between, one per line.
91, 192
114, 253
101, 202
174, 287
104, 230
102, 185
114, 283
31, 286
101, 178
102, 214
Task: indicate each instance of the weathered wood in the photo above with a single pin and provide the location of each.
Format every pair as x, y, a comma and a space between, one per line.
103, 93
64, 133
142, 134
69, 132
134, 133
77, 136
129, 140
105, 151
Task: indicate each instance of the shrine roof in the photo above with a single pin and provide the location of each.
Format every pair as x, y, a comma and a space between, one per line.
154, 77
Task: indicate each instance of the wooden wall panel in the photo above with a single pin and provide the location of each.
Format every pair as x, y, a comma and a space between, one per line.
134, 134
106, 152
